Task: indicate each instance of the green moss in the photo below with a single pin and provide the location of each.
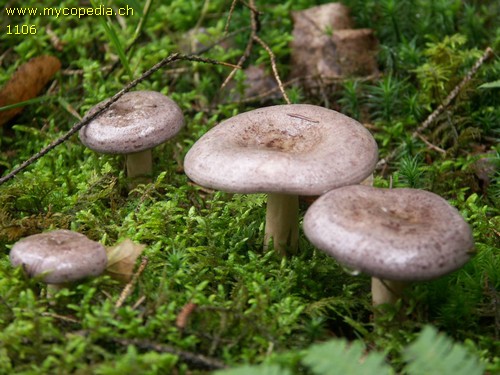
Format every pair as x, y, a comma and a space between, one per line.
205, 247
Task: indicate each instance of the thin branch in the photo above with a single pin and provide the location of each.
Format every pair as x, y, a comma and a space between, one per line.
168, 60
202, 50
254, 24
228, 21
312, 78
488, 53
430, 145
269, 92
128, 288
68, 319
193, 359
248, 47
251, 6
273, 66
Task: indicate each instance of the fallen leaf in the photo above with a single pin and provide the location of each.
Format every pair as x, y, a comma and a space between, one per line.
26, 83
122, 258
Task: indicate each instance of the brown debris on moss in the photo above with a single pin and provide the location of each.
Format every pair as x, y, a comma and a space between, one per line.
26, 83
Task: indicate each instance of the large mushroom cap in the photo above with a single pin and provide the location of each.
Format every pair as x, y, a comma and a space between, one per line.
394, 234
138, 121
59, 256
293, 149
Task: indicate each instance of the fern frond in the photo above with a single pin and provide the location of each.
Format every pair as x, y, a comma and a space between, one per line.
338, 357
252, 370
436, 354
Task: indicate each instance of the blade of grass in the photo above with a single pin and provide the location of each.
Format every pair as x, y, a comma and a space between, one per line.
110, 32
137, 6
143, 19
26, 102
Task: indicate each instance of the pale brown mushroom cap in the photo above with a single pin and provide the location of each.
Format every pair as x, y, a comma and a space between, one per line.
292, 149
138, 121
59, 256
393, 234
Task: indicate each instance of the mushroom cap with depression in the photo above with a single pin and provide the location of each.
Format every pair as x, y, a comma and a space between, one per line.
59, 256
393, 234
292, 149
138, 121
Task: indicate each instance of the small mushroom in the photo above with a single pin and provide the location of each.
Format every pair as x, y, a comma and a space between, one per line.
59, 257
394, 235
133, 125
284, 151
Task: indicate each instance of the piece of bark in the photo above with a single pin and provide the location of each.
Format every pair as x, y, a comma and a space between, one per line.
356, 53
326, 46
323, 19
26, 83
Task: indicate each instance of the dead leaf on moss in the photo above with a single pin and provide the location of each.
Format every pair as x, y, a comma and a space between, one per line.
26, 83
122, 258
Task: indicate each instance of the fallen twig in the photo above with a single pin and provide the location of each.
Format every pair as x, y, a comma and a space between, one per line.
430, 145
68, 319
254, 24
273, 66
196, 360
488, 53
102, 107
128, 288
248, 47
228, 21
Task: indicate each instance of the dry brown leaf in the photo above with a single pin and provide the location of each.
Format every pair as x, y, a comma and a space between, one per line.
122, 258
26, 83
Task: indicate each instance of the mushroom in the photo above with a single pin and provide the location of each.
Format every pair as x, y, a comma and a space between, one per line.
394, 235
59, 257
284, 151
133, 125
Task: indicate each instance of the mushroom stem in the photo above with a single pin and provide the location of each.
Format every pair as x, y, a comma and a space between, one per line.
52, 289
140, 166
282, 218
386, 291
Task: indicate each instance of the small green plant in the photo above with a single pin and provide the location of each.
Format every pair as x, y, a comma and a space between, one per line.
384, 98
410, 172
446, 62
432, 353
350, 100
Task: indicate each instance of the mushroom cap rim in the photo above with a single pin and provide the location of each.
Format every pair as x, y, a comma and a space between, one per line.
154, 118
234, 157
382, 246
59, 256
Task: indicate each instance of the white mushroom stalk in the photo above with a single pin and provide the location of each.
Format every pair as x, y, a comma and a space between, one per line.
139, 164
395, 235
282, 216
133, 125
284, 151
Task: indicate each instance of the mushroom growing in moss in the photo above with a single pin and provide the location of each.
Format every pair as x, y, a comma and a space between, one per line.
284, 151
133, 125
59, 257
394, 235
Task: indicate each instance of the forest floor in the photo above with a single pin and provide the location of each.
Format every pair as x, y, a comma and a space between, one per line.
203, 294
